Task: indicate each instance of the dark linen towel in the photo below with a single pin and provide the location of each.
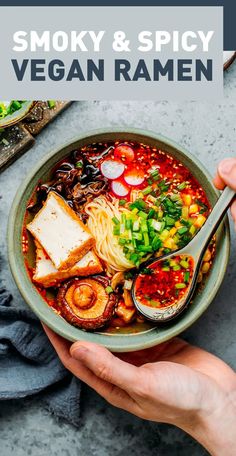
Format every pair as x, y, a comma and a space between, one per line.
29, 363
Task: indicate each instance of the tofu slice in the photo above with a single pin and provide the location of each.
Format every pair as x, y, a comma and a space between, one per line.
60, 232
47, 275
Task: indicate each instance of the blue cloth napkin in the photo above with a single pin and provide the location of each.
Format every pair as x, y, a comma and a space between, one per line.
29, 363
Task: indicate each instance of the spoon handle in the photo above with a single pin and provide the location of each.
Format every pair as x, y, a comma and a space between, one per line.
209, 228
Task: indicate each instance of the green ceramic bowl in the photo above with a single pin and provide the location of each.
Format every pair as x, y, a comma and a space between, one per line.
18, 115
115, 342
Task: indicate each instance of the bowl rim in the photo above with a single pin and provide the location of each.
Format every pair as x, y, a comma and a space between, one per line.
102, 338
17, 116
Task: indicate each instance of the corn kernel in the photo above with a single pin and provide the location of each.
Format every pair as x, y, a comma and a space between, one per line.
193, 209
187, 199
205, 267
164, 235
173, 231
207, 255
185, 212
200, 220
170, 244
178, 224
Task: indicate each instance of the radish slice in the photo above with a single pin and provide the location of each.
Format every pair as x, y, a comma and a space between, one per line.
134, 176
124, 152
119, 188
112, 169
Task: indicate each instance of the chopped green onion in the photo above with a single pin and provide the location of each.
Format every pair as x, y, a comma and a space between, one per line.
156, 243
122, 241
115, 220
136, 225
154, 173
146, 239
16, 105
184, 264
116, 230
122, 202
79, 164
176, 267
144, 248
186, 276
128, 224
138, 204
144, 227
169, 221
151, 213
109, 290
157, 226
134, 257
179, 286
138, 236
143, 215
123, 218
51, 104
165, 268
182, 230
182, 186
147, 190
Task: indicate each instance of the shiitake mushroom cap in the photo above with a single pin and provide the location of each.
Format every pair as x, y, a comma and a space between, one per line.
84, 302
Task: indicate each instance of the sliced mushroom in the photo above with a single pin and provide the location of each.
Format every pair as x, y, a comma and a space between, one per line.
117, 279
85, 303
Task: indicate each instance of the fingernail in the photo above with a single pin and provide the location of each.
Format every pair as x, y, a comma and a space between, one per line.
225, 167
79, 351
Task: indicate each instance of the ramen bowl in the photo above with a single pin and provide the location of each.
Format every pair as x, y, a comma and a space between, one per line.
120, 341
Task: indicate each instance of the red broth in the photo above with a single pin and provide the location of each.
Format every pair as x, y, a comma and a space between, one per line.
166, 282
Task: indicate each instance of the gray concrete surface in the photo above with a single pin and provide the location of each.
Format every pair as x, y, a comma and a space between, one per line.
208, 131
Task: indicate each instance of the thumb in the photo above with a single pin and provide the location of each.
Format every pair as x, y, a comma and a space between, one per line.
227, 172
104, 364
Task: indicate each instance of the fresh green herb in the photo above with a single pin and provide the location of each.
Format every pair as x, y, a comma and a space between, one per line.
122, 202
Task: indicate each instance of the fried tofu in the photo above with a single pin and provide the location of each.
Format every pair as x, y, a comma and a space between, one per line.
60, 232
47, 275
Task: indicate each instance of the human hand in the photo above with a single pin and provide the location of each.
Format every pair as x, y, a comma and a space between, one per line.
226, 175
174, 383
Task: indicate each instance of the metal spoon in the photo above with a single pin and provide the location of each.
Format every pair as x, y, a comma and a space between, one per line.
195, 249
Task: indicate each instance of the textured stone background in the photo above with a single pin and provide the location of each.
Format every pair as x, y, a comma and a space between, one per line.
208, 131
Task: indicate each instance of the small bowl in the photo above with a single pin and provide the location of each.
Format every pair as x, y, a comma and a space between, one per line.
114, 342
18, 115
